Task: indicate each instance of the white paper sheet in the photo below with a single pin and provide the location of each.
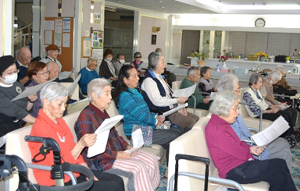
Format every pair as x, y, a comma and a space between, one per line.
212, 95
186, 92
265, 137
64, 75
175, 109
137, 140
73, 85
143, 66
102, 136
66, 40
284, 106
49, 25
57, 39
48, 37
31, 90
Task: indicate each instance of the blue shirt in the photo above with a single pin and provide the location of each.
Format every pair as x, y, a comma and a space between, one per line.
244, 133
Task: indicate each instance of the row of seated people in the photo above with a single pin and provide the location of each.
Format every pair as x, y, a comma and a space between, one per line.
158, 63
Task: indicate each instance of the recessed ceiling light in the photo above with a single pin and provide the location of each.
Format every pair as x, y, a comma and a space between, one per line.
160, 1
163, 7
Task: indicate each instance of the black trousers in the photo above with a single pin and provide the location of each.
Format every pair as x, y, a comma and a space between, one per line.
290, 115
106, 182
273, 171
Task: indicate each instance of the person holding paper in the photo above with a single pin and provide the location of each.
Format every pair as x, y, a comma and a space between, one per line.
205, 84
52, 54
13, 114
279, 148
131, 104
38, 73
233, 157
267, 93
49, 123
271, 112
88, 73
193, 75
107, 69
144, 166
158, 94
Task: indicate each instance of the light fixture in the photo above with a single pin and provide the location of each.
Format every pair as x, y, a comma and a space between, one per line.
92, 6
92, 18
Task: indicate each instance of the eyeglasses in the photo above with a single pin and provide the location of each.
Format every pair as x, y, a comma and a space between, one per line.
43, 73
12, 72
25, 59
235, 109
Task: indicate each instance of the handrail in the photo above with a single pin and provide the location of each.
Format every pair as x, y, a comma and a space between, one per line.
210, 178
27, 26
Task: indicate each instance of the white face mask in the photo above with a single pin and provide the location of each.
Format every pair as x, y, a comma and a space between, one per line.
122, 61
10, 79
108, 58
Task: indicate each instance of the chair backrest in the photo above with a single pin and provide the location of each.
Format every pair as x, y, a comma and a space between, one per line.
75, 94
113, 111
70, 120
191, 143
176, 85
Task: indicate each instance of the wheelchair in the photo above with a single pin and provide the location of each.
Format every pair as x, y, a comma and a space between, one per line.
11, 163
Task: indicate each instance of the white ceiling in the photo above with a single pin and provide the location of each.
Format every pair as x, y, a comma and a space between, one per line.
220, 6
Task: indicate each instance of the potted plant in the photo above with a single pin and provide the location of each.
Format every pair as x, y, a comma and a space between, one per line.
200, 56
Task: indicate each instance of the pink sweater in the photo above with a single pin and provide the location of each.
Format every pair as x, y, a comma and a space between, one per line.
225, 147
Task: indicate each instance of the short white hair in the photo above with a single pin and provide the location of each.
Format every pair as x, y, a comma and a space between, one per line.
227, 82
192, 71
280, 68
276, 74
53, 91
96, 86
91, 59
222, 103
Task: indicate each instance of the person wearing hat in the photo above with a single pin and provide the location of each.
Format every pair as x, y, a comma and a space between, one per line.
13, 114
52, 53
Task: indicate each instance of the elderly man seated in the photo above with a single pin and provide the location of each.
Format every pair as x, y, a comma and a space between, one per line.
54, 71
24, 58
193, 75
279, 148
158, 94
88, 73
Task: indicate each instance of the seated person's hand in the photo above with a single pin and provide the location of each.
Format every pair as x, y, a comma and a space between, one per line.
183, 111
33, 98
160, 118
158, 123
256, 150
88, 140
85, 165
123, 155
205, 100
130, 147
275, 108
182, 100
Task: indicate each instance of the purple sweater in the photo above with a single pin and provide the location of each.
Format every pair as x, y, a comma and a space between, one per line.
225, 147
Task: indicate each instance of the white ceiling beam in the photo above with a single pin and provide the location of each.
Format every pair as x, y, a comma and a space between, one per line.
200, 5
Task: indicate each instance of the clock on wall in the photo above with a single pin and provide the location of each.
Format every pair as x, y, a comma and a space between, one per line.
260, 22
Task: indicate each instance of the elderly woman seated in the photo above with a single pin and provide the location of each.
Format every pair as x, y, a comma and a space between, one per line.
38, 73
269, 111
282, 86
49, 123
136, 112
158, 94
205, 84
279, 148
13, 114
233, 157
144, 166
193, 75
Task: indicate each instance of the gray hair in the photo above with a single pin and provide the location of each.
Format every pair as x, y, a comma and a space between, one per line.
153, 59
96, 86
279, 68
222, 103
254, 79
227, 82
53, 91
50, 64
192, 71
276, 74
91, 59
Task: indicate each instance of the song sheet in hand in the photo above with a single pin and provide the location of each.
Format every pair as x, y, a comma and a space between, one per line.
137, 140
265, 137
175, 109
186, 92
102, 135
73, 85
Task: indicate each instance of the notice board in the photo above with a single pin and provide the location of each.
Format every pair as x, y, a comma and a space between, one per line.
59, 31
